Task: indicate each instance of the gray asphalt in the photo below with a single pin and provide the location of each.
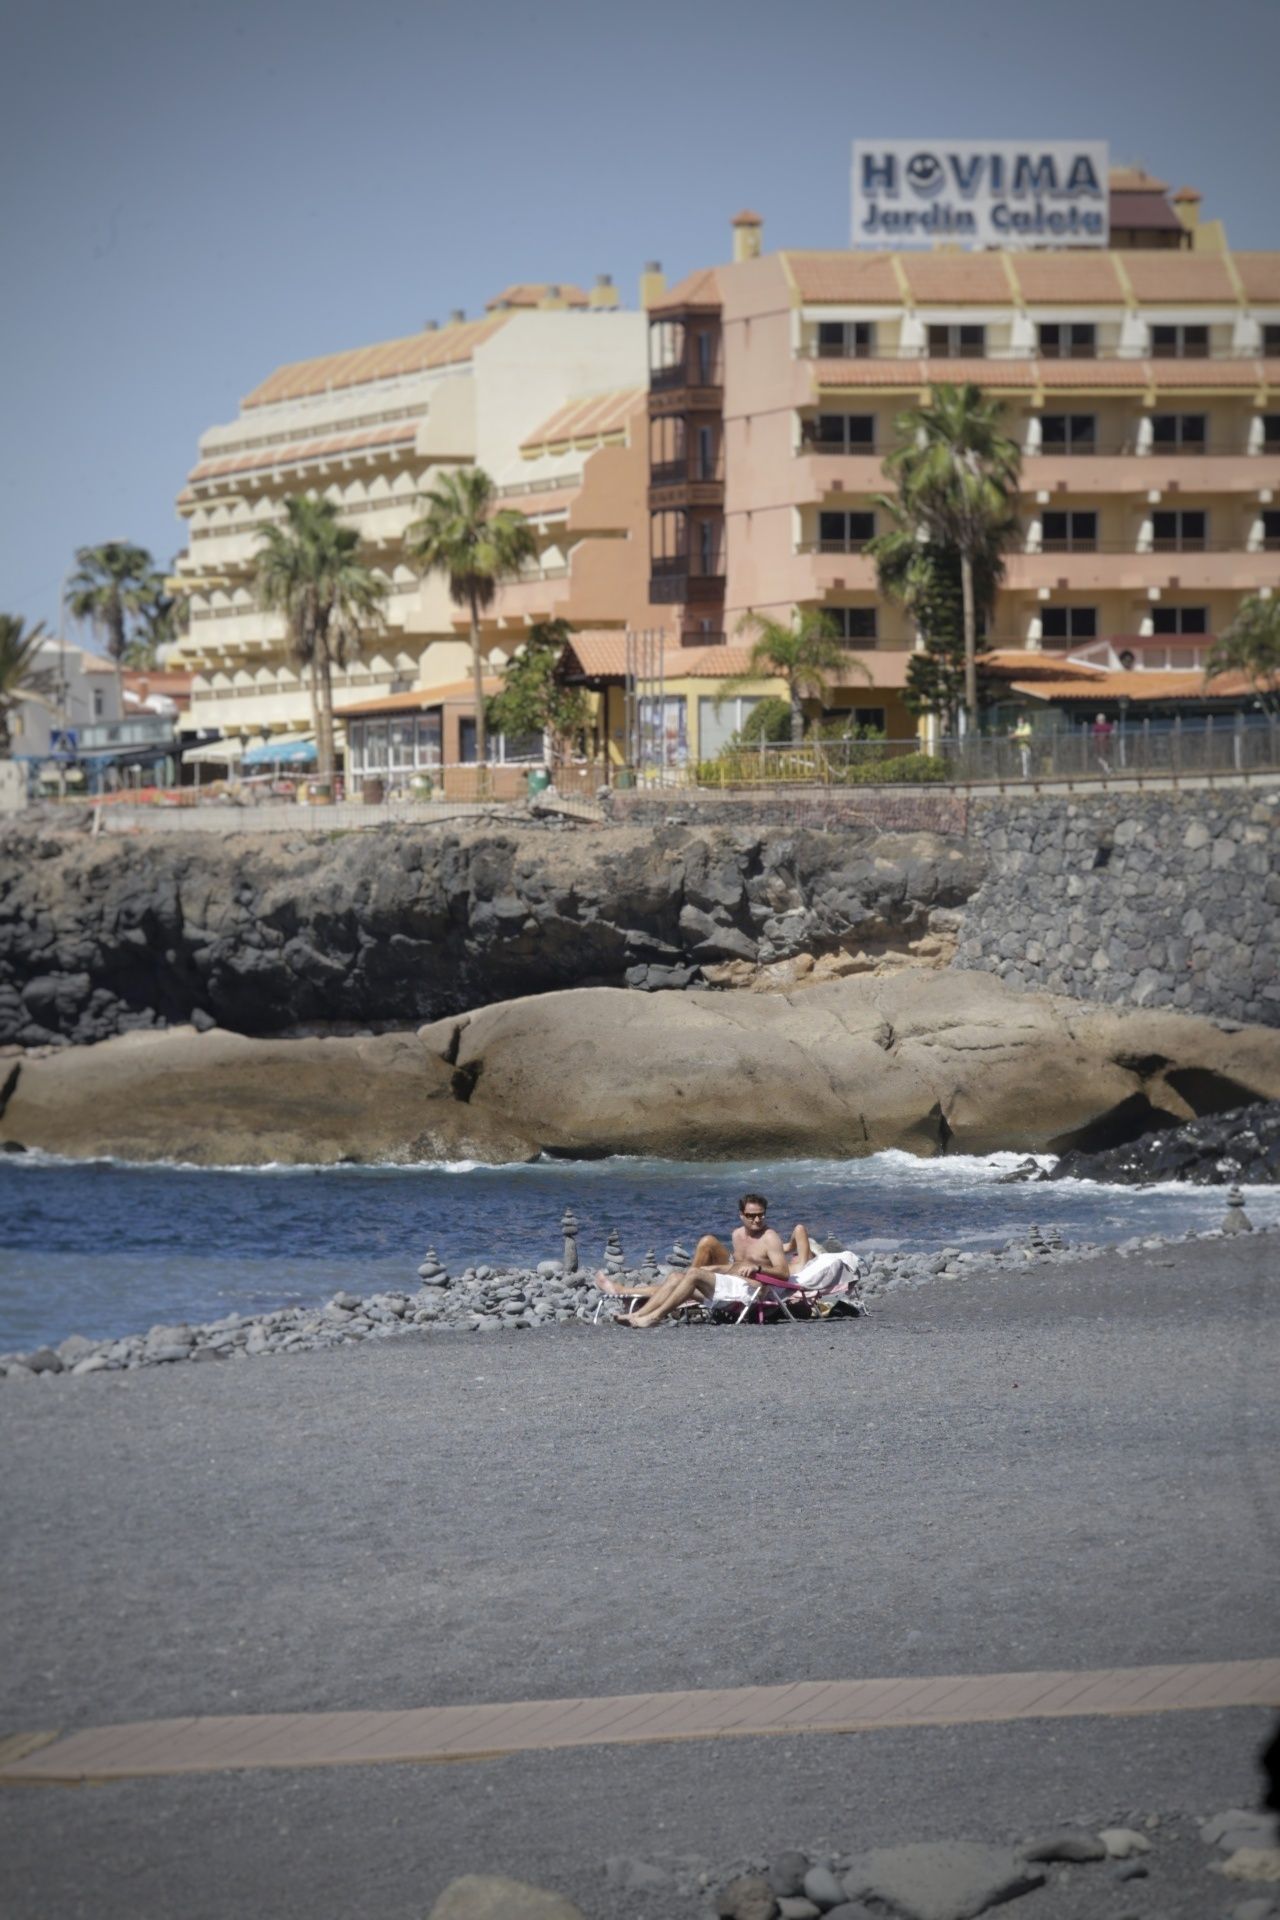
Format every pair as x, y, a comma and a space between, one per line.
1072, 1468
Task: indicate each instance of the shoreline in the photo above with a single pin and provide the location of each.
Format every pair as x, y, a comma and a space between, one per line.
493, 1299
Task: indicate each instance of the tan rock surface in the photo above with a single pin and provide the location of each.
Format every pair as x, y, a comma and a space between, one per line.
219, 1099
917, 1060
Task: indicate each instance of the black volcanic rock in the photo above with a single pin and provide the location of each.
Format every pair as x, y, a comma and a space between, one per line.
1218, 1150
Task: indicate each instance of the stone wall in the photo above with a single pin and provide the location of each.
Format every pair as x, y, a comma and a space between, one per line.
1158, 900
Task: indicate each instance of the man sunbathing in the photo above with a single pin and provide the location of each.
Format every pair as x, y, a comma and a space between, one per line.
717, 1274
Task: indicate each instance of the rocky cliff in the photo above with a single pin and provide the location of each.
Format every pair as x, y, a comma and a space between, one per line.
102, 937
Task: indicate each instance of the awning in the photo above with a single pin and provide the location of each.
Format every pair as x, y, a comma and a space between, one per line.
214, 753
296, 751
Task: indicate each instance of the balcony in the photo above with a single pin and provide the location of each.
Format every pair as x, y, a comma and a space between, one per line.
833, 546
810, 350
671, 583
686, 387
1209, 567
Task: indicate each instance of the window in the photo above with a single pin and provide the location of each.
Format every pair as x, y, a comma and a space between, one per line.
667, 447
1185, 431
708, 546
1181, 531
1068, 340
706, 360
846, 339
1271, 530
1271, 432
1069, 432
1271, 337
1075, 532
1069, 623
669, 540
400, 754
1179, 343
706, 453
429, 738
99, 705
857, 720
1180, 620
958, 342
860, 624
843, 432
719, 721
845, 532
375, 744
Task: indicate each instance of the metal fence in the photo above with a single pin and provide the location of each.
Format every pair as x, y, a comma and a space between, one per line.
1145, 749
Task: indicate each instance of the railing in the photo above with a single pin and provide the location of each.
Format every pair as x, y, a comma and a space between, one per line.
835, 546
670, 473
552, 485
683, 375
1157, 749
810, 350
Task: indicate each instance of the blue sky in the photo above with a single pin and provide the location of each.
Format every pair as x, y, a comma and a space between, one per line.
192, 194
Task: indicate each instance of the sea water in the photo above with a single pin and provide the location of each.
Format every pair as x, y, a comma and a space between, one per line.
103, 1248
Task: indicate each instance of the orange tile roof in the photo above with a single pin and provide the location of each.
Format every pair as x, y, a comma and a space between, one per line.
1215, 373
1259, 274
845, 277
698, 289
589, 417
1160, 275
747, 219
531, 293
537, 505
956, 279
1026, 660
1134, 180
1157, 683
416, 353
285, 456
418, 699
601, 655
1083, 274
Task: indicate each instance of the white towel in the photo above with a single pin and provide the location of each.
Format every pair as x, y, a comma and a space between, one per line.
829, 1272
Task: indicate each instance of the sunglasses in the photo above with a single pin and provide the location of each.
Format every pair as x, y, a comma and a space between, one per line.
751, 1216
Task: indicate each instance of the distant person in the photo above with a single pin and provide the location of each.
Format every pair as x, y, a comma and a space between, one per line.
1101, 732
718, 1274
1020, 735
1128, 659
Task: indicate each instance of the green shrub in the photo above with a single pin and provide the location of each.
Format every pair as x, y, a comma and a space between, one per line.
910, 767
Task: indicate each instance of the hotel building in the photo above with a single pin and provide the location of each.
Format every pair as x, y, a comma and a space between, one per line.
719, 452
1142, 384
549, 384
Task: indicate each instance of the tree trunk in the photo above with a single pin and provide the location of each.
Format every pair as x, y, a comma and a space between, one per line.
477, 688
797, 716
970, 641
116, 646
317, 714
325, 754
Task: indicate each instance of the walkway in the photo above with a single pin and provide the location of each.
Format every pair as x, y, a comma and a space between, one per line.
228, 1743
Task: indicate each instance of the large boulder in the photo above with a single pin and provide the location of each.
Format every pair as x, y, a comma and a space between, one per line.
923, 1061
219, 1099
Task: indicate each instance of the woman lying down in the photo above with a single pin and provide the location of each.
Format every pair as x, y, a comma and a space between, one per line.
728, 1276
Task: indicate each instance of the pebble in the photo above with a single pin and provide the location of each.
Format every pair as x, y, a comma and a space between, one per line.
503, 1300
1122, 1843
822, 1887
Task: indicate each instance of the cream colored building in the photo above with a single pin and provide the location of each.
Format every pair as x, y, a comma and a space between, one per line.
370, 429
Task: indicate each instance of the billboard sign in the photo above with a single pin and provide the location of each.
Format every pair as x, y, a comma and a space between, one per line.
980, 193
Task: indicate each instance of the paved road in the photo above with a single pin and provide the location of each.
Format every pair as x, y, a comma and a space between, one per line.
1076, 1468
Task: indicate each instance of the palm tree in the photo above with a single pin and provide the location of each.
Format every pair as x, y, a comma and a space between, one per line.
308, 571
957, 474
804, 654
1251, 646
19, 675
924, 579
464, 534
113, 586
